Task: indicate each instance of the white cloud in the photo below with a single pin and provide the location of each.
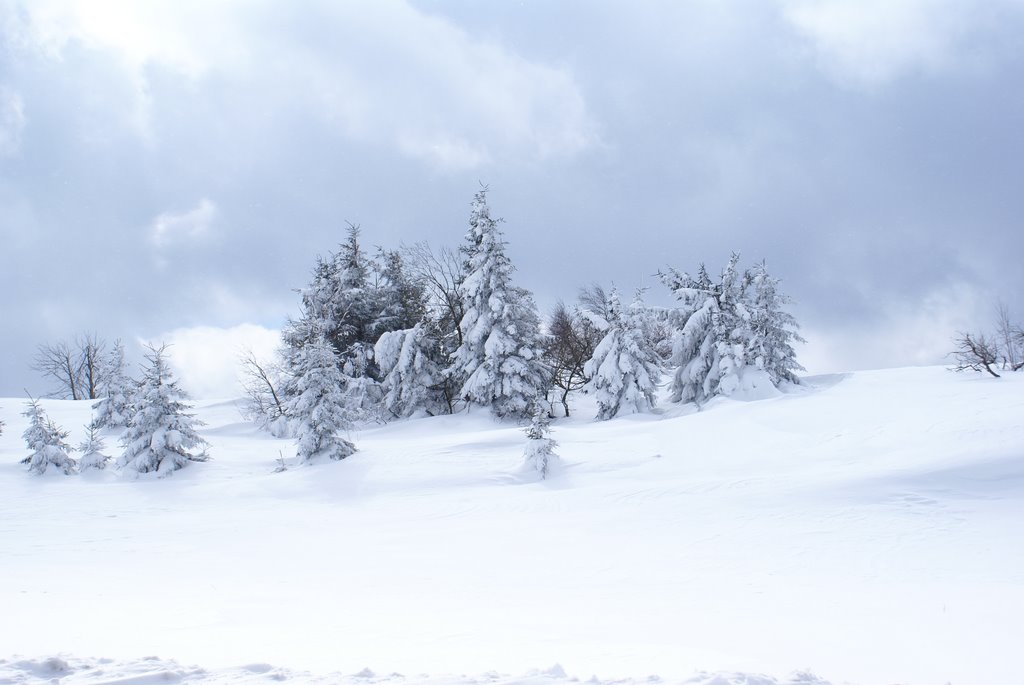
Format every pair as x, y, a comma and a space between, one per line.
873, 42
206, 359
386, 72
12, 121
168, 228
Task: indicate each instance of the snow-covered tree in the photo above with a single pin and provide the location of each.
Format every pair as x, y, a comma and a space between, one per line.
733, 330
318, 406
415, 379
539, 454
46, 441
91, 450
498, 362
625, 369
264, 403
772, 329
161, 435
112, 411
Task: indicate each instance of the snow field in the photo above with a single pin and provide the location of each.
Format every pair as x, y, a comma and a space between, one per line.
867, 528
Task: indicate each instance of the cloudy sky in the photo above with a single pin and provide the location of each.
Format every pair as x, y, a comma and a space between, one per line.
169, 170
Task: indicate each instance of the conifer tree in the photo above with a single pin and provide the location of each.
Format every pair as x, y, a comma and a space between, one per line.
161, 435
46, 441
112, 411
539, 454
625, 369
91, 450
498, 362
414, 379
772, 329
319, 404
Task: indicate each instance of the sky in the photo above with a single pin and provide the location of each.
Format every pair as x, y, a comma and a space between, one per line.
170, 170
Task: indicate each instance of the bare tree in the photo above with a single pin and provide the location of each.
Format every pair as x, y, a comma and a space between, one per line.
76, 367
441, 274
569, 345
91, 364
60, 362
264, 401
975, 353
1010, 338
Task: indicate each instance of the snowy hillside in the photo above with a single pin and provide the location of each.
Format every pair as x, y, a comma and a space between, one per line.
867, 529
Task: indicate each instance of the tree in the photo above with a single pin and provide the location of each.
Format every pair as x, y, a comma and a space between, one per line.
732, 330
319, 404
539, 455
570, 344
76, 367
113, 410
1010, 338
161, 436
975, 353
46, 441
264, 402
498, 362
414, 372
91, 450
625, 369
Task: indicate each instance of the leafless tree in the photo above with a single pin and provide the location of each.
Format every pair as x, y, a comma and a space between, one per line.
91, 364
264, 402
76, 367
1010, 338
569, 345
975, 353
440, 273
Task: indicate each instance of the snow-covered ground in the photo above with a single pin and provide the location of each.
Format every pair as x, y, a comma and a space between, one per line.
868, 529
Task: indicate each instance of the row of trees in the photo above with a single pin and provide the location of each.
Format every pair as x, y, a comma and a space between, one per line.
157, 432
417, 331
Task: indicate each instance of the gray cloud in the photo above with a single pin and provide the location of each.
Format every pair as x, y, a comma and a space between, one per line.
877, 175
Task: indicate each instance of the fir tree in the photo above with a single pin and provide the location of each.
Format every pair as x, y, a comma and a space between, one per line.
161, 435
414, 379
113, 410
625, 369
91, 450
772, 329
498, 362
319, 404
539, 454
46, 441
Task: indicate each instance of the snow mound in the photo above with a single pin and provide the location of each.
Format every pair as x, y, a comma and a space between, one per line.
155, 671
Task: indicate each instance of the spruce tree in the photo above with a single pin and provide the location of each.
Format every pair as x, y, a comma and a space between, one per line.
498, 362
539, 454
46, 441
414, 369
91, 450
318, 407
112, 411
161, 435
625, 369
772, 329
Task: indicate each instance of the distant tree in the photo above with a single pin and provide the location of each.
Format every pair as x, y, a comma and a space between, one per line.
113, 409
91, 450
161, 435
498, 361
319, 405
46, 441
625, 368
975, 352
539, 454
77, 367
1010, 338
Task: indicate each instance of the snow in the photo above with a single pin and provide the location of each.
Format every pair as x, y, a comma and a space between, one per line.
864, 528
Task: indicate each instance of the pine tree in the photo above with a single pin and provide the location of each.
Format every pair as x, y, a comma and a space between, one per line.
498, 362
113, 410
414, 379
91, 450
161, 435
625, 369
772, 329
319, 404
539, 455
46, 441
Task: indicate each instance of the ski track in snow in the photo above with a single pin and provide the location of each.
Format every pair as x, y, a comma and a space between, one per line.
866, 527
